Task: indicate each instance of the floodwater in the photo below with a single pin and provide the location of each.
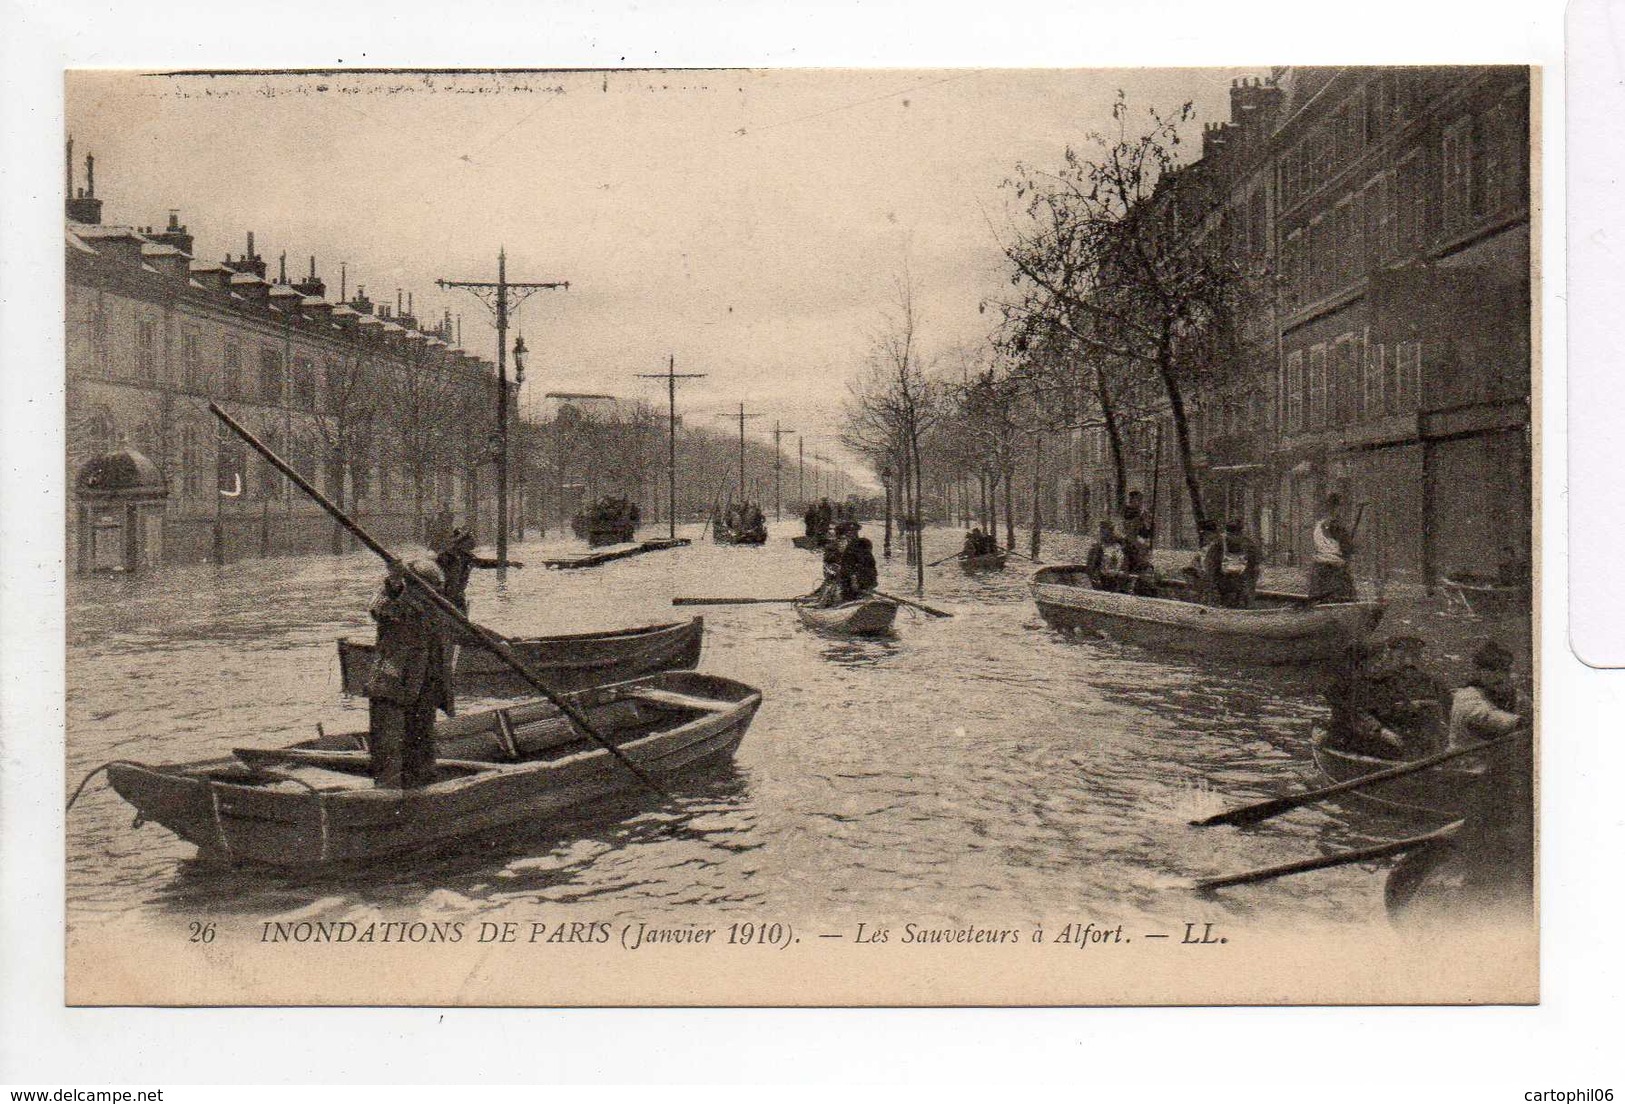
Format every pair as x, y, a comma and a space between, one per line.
982, 768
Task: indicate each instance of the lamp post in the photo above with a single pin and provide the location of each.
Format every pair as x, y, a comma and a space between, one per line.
885, 479
519, 351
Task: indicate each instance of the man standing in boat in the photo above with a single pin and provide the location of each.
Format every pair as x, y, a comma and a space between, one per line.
457, 561
1231, 564
1331, 577
411, 678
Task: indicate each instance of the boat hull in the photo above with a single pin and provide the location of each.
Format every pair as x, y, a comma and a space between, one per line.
562, 663
972, 565
863, 617
1431, 797
235, 813
808, 544
1287, 633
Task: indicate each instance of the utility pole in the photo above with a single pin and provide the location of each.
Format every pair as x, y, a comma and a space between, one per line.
671, 377
503, 298
778, 510
741, 416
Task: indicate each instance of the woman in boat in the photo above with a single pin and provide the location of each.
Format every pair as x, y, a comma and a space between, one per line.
411, 678
1331, 578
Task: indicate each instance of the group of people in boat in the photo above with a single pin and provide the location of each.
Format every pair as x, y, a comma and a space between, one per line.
822, 516
978, 543
1386, 705
416, 654
1119, 558
744, 520
850, 571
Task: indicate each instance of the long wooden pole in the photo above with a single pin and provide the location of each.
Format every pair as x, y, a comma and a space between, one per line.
1364, 854
489, 639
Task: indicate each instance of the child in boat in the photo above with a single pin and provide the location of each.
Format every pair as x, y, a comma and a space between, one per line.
411, 678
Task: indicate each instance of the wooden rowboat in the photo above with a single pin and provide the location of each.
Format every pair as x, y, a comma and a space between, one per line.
859, 617
991, 561
1433, 796
1277, 629
563, 663
314, 805
1483, 597
808, 544
725, 535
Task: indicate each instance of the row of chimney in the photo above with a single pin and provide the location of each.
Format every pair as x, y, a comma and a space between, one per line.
84, 207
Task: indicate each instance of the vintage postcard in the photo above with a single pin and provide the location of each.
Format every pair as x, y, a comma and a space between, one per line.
787, 537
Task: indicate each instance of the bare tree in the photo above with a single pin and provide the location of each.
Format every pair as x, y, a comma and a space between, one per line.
344, 419
1119, 254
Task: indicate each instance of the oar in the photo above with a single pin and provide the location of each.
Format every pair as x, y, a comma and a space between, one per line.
491, 641
932, 610
1013, 552
945, 559
1253, 814
1344, 858
728, 601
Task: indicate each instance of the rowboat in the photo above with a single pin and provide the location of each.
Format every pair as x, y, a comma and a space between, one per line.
1277, 629
808, 544
594, 559
314, 805
859, 617
563, 663
990, 561
1484, 597
724, 535
1432, 796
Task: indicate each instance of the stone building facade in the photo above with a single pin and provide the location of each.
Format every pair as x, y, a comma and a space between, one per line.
348, 391
1385, 213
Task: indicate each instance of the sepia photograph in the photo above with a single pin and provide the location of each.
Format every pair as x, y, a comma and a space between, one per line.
772, 536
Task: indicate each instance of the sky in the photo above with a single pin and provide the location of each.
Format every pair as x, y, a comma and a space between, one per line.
750, 223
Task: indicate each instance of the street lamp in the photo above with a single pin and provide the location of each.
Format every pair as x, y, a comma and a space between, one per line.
885, 480
519, 351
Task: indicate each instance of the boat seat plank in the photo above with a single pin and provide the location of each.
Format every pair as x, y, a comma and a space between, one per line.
656, 696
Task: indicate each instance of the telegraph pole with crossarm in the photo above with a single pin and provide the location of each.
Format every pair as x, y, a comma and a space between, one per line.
741, 416
503, 298
671, 376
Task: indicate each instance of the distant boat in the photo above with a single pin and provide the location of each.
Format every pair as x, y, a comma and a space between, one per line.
860, 617
314, 805
571, 662
1277, 629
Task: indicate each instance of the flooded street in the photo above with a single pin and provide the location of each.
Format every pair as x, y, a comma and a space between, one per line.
983, 761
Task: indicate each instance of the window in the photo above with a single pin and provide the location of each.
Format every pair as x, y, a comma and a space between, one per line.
192, 361
1294, 392
1457, 196
146, 350
304, 383
100, 432
1374, 402
1342, 381
1292, 268
1407, 378
1413, 224
270, 375
1317, 387
231, 371
1505, 153
191, 463
100, 353
270, 481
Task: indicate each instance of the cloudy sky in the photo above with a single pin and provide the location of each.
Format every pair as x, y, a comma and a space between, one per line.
750, 222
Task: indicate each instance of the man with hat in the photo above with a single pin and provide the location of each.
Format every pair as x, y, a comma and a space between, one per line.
457, 560
411, 678
859, 572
